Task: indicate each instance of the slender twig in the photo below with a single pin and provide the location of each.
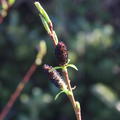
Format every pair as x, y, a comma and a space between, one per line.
1, 19
42, 49
65, 72
17, 92
51, 34
71, 96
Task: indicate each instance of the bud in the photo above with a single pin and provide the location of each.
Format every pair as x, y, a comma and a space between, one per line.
42, 49
61, 53
55, 77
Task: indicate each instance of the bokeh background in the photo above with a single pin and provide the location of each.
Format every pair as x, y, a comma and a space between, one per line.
91, 30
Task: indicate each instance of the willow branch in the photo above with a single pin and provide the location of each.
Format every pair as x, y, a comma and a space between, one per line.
17, 92
65, 72
49, 28
71, 96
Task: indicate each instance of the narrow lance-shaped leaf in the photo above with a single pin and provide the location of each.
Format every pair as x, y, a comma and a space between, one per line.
58, 94
73, 66
42, 12
56, 38
46, 26
66, 91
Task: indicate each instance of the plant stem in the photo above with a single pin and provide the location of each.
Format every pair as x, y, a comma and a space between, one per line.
71, 96
65, 72
53, 39
17, 92
51, 34
1, 19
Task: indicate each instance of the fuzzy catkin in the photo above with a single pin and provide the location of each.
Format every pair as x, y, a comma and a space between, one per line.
54, 76
61, 53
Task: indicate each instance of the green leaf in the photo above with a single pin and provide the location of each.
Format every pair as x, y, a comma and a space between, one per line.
42, 12
66, 91
46, 26
56, 38
56, 97
73, 66
68, 61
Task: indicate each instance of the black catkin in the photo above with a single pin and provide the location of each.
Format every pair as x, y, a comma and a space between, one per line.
61, 53
54, 76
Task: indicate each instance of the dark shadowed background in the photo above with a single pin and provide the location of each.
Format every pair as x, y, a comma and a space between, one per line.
91, 30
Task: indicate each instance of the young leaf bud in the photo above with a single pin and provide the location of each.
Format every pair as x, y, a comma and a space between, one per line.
55, 77
42, 49
61, 53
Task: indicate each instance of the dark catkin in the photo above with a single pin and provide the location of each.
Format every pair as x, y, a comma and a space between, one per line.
54, 76
61, 53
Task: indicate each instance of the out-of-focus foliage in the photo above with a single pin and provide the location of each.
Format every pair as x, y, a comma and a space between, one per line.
91, 30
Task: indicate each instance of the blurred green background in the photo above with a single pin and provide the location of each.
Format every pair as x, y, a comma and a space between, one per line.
91, 29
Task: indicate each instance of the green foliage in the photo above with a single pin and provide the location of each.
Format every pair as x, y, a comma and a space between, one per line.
42, 12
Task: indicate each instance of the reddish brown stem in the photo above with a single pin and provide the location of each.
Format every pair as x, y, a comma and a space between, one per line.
65, 72
1, 19
51, 34
17, 92
52, 38
71, 96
